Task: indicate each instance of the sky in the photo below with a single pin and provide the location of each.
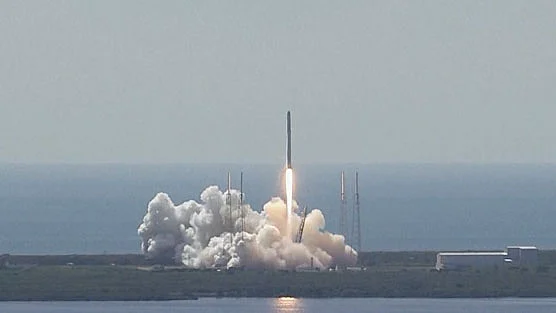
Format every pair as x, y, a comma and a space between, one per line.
211, 81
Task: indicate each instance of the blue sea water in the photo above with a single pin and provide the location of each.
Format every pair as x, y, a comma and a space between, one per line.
52, 209
293, 306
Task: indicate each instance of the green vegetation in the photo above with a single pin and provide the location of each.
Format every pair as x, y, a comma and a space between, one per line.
389, 274
86, 283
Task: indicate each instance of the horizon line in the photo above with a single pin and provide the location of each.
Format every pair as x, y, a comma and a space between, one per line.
347, 163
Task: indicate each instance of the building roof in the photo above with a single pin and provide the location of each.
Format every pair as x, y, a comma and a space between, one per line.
474, 253
523, 247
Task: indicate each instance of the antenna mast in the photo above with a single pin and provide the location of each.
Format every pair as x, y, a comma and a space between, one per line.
241, 205
343, 208
356, 229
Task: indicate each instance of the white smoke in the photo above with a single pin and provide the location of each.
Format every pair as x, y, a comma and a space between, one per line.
202, 235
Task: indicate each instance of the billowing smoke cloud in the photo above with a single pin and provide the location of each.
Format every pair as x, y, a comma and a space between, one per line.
202, 235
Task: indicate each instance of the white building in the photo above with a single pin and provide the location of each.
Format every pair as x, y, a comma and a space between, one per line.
523, 256
515, 255
458, 260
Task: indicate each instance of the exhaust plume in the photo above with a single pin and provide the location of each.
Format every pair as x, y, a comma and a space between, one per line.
198, 235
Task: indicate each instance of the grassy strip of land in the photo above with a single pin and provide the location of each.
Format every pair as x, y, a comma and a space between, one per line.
390, 274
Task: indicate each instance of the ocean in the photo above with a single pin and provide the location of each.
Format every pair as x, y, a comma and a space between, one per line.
281, 305
66, 209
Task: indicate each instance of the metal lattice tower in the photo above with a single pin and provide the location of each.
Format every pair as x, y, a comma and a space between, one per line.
343, 208
356, 225
301, 226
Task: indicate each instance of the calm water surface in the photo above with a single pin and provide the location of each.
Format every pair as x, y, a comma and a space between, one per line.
292, 305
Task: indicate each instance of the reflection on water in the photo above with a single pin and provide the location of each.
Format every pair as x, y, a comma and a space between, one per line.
307, 305
287, 304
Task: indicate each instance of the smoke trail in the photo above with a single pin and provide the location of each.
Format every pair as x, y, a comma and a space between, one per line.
195, 234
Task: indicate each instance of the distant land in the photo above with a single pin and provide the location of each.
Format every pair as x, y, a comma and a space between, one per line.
385, 274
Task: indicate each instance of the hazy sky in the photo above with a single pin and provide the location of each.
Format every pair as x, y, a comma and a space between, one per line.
211, 81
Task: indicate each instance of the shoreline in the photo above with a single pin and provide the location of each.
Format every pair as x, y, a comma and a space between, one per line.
277, 297
388, 275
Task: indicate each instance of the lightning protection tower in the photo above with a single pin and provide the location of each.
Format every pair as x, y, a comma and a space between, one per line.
343, 208
356, 225
241, 212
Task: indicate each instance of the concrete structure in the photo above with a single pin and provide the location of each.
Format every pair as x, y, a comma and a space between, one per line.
514, 255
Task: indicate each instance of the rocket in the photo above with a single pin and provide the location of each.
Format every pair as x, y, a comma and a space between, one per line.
289, 148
